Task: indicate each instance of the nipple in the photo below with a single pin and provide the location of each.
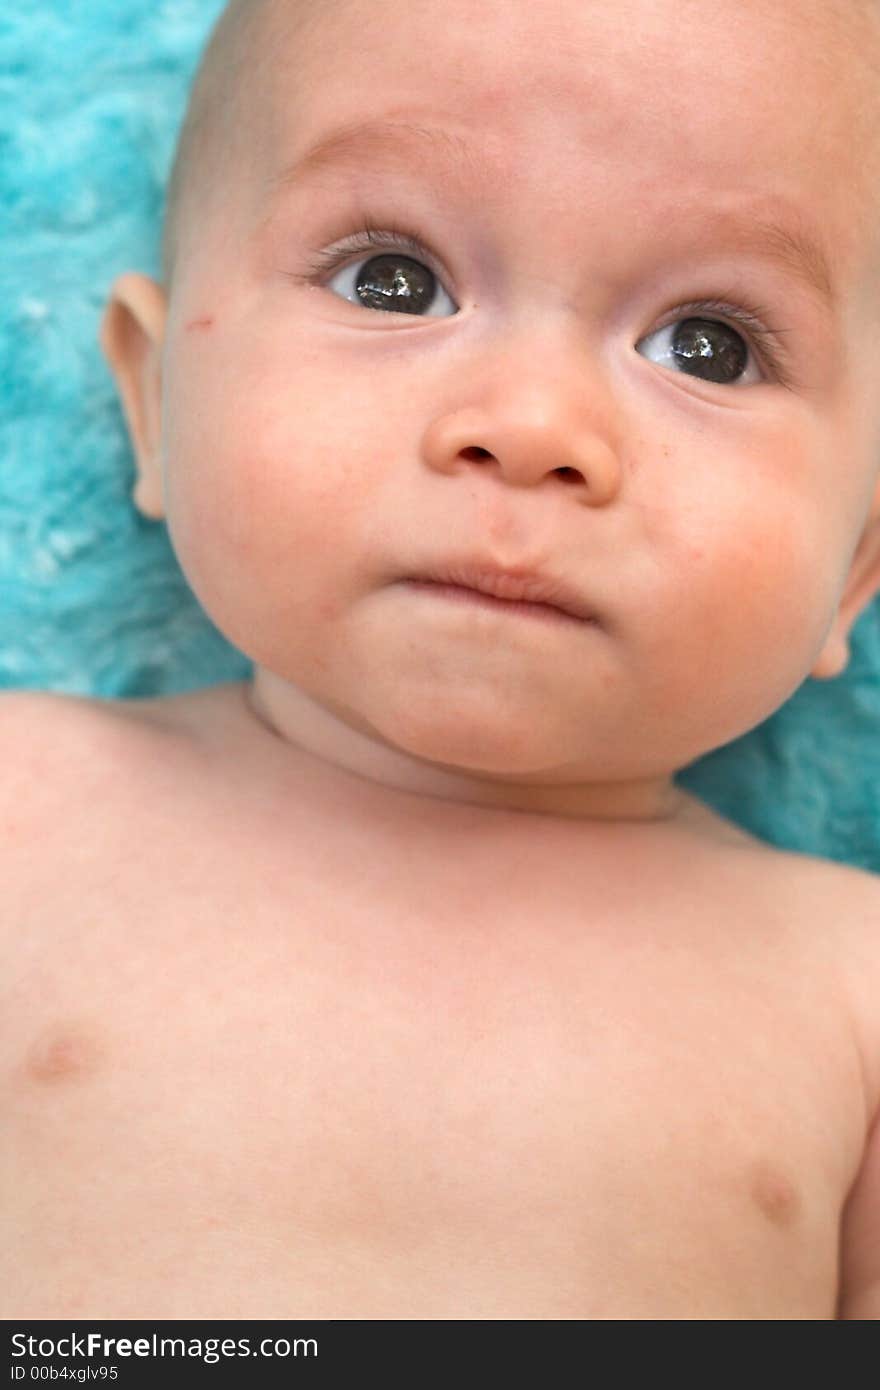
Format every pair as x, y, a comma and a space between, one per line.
64, 1052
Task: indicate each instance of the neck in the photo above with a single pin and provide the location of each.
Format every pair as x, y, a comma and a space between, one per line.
303, 726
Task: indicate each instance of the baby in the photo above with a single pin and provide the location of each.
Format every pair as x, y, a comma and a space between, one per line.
511, 400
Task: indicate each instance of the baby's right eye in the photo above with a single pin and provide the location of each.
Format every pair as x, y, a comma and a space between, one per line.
390, 281
394, 283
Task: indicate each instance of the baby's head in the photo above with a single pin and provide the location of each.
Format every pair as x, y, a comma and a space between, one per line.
585, 290
225, 116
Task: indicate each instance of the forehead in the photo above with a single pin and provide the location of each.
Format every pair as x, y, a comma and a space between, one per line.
563, 99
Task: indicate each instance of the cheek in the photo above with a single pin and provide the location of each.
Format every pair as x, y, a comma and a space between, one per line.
756, 593
263, 486
740, 584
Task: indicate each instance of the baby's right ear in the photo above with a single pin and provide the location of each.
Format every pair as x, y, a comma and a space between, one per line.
131, 337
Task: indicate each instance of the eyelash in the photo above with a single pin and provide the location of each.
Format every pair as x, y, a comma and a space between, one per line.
368, 236
751, 318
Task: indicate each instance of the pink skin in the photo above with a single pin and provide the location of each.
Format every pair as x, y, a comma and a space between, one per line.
310, 453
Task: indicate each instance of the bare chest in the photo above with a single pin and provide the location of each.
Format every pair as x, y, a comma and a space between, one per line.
298, 1088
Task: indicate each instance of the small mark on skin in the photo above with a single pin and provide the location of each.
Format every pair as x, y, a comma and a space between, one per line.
204, 324
775, 1194
65, 1052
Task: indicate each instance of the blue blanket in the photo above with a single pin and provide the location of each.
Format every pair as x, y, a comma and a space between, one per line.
92, 600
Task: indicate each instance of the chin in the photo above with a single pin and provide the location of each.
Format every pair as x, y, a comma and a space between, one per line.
464, 743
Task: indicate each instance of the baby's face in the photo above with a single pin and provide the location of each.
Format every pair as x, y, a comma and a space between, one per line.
608, 350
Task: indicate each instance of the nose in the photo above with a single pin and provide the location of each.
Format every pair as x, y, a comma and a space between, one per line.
528, 425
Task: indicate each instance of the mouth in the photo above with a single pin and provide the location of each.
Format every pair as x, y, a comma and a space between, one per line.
520, 592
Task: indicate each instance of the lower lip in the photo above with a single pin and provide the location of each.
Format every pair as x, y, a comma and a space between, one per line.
455, 593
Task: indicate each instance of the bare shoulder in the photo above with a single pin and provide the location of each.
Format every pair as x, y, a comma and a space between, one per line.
38, 731
819, 890
828, 909
858, 888
841, 905
69, 763
844, 897
80, 772
838, 903
47, 740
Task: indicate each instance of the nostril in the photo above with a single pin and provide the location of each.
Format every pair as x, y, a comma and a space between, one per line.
569, 475
474, 452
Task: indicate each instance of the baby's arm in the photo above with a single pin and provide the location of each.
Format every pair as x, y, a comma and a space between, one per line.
860, 1243
860, 1260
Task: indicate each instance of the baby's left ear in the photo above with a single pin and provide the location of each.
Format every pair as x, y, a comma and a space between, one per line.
862, 586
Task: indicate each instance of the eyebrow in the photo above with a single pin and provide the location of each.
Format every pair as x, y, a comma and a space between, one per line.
387, 144
792, 249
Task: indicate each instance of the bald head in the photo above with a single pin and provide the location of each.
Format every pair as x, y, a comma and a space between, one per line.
210, 134
230, 90
222, 115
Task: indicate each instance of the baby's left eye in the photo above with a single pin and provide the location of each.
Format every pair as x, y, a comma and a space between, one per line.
704, 348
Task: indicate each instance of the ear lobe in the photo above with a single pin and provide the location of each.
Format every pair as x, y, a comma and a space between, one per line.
862, 586
834, 657
131, 336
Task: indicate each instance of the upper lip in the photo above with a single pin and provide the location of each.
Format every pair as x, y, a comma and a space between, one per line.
515, 584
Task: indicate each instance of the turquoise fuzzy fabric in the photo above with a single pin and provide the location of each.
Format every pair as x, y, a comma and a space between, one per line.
92, 600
